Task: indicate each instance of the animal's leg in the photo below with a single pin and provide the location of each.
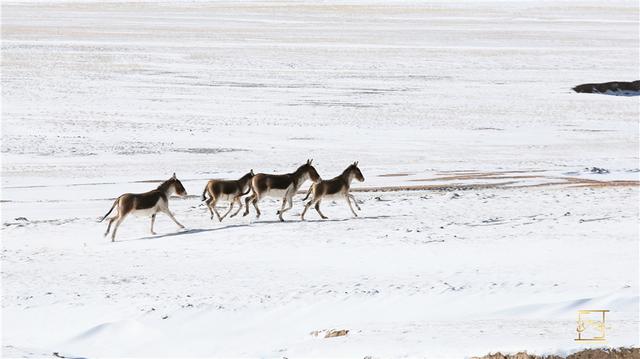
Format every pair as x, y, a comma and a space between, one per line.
351, 207
284, 202
217, 214
212, 207
355, 202
246, 204
239, 207
289, 200
255, 205
168, 213
285, 198
115, 228
109, 226
209, 206
318, 210
229, 210
153, 219
306, 207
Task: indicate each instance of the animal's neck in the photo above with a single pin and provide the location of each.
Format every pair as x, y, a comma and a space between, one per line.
299, 176
167, 188
347, 176
243, 182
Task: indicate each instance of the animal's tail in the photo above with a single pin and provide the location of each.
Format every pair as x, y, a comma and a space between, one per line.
112, 207
204, 198
308, 193
249, 190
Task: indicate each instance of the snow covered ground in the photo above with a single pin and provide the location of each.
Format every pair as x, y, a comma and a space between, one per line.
487, 230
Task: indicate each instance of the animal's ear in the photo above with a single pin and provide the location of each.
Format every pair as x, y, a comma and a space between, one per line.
356, 163
253, 174
309, 161
174, 176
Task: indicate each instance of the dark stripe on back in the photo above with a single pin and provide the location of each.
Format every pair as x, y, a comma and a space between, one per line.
334, 185
226, 187
275, 182
148, 199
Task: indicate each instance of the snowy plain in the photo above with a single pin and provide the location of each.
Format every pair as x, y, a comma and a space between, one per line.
483, 227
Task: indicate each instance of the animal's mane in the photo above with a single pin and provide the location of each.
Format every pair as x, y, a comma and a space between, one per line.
300, 169
164, 185
348, 169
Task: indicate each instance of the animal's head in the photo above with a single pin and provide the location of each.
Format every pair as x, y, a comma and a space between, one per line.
356, 171
310, 170
177, 185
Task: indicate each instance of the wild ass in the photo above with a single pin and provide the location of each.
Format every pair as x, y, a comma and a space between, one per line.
335, 187
230, 191
145, 204
282, 186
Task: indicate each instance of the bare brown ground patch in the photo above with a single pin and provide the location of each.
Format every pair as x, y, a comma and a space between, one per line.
480, 173
508, 184
619, 353
473, 176
395, 175
439, 187
581, 182
547, 184
511, 177
609, 184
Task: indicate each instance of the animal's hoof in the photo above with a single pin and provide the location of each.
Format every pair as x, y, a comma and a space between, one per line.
325, 217
153, 233
281, 220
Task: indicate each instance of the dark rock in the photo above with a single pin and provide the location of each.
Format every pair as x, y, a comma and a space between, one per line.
611, 88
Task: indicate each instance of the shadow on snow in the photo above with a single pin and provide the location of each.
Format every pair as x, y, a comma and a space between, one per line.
232, 226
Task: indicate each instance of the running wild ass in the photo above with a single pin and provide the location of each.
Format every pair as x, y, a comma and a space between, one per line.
230, 191
281, 186
335, 187
145, 204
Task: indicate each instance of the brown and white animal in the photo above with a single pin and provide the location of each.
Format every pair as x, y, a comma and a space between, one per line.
281, 186
145, 204
230, 191
337, 187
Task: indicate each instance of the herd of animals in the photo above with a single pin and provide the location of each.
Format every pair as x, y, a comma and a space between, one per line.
260, 185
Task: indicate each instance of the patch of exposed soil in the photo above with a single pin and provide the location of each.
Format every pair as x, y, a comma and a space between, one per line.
487, 175
620, 353
208, 150
394, 175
